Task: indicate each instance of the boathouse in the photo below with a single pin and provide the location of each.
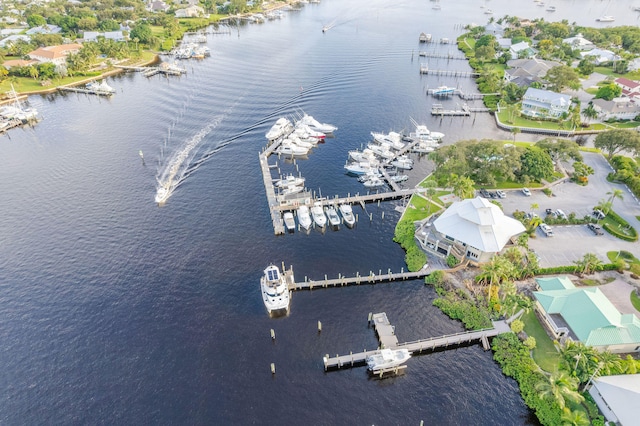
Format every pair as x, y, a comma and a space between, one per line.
586, 315
473, 229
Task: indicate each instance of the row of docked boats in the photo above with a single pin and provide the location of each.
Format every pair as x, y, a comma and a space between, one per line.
299, 137
320, 216
191, 50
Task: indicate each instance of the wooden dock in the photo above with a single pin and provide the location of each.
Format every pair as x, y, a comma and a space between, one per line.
272, 200
370, 278
424, 69
387, 337
442, 56
86, 91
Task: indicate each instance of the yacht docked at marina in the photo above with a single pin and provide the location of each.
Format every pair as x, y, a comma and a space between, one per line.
347, 215
387, 359
282, 127
275, 292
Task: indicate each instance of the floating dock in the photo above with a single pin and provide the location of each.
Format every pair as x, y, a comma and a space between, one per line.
388, 340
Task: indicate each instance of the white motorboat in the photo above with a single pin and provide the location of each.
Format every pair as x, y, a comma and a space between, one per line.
301, 143
387, 358
309, 131
275, 292
100, 88
304, 219
289, 180
365, 155
282, 127
347, 215
424, 147
399, 178
290, 190
316, 125
445, 90
360, 168
289, 148
403, 162
289, 221
393, 139
18, 112
551, 9
370, 174
383, 151
162, 194
334, 219
318, 215
374, 182
606, 18
424, 134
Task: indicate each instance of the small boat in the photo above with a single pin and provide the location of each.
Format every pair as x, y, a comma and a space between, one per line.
387, 358
289, 180
374, 182
290, 148
304, 219
303, 129
366, 155
424, 147
100, 88
317, 126
289, 221
551, 9
162, 194
488, 12
281, 128
399, 178
275, 292
290, 190
606, 18
404, 163
347, 215
360, 168
382, 150
318, 215
334, 219
422, 133
443, 91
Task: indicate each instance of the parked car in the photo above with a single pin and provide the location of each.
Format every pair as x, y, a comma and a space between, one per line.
530, 215
560, 214
598, 214
546, 229
595, 228
526, 192
484, 193
549, 211
501, 194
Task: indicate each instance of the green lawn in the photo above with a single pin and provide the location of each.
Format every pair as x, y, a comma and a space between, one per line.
635, 301
625, 255
419, 208
545, 353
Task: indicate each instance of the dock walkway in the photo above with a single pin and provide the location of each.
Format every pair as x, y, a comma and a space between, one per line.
387, 337
272, 200
371, 278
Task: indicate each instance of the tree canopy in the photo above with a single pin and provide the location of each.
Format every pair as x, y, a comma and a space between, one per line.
615, 141
563, 76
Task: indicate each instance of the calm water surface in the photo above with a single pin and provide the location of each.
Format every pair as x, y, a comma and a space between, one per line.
116, 311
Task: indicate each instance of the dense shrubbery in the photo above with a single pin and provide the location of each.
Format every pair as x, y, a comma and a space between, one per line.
626, 171
516, 362
620, 222
404, 235
459, 305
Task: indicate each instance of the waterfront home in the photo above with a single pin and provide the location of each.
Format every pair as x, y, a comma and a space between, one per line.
524, 72
473, 229
495, 29
600, 56
617, 108
12, 39
521, 50
586, 315
44, 29
617, 397
630, 88
108, 35
158, 6
190, 12
579, 42
54, 54
544, 103
18, 63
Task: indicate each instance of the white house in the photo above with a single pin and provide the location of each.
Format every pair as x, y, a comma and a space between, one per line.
617, 108
523, 72
190, 12
474, 229
600, 56
521, 49
544, 103
579, 42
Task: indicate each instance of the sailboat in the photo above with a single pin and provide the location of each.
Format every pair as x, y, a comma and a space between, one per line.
15, 110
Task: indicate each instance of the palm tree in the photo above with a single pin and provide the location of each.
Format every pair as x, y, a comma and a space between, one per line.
495, 271
616, 193
515, 131
588, 264
604, 206
463, 187
610, 363
580, 359
575, 418
560, 387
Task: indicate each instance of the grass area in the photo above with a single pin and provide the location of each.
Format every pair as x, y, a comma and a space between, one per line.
556, 176
625, 255
625, 229
638, 217
419, 208
545, 353
635, 301
635, 75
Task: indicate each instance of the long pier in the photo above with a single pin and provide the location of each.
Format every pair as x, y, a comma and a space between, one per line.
87, 91
370, 278
424, 69
272, 200
442, 55
387, 339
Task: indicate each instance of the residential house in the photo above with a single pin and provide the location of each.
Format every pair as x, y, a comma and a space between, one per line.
544, 103
521, 50
600, 56
44, 29
633, 65
8, 41
630, 88
55, 54
158, 6
473, 229
523, 72
109, 35
190, 12
617, 108
18, 63
579, 42
586, 315
504, 43
495, 29
617, 398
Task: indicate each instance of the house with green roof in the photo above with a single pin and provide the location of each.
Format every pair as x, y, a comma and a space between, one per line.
586, 315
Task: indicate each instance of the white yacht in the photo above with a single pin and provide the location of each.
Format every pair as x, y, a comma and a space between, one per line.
424, 134
289, 221
316, 125
334, 219
318, 215
281, 128
290, 148
304, 219
606, 18
275, 292
289, 180
374, 182
383, 151
387, 358
360, 168
403, 163
347, 215
100, 88
393, 139
305, 132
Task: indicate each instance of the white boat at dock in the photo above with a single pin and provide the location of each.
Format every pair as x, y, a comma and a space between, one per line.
303, 129
399, 178
374, 182
100, 88
360, 168
444, 90
392, 139
289, 180
403, 163
281, 128
318, 215
606, 18
289, 221
387, 359
316, 125
334, 219
423, 133
290, 190
275, 292
423, 147
365, 155
347, 215
304, 219
382, 150
290, 148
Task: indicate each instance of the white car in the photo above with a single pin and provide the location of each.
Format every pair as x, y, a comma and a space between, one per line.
526, 192
560, 214
546, 229
501, 194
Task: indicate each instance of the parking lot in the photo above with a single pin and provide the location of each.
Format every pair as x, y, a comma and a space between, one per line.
571, 242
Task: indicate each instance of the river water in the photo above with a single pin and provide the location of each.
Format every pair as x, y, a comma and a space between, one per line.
116, 311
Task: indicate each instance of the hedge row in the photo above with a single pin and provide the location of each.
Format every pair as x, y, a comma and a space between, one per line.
614, 231
571, 269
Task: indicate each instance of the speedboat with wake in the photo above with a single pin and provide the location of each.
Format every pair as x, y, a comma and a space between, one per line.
162, 194
275, 292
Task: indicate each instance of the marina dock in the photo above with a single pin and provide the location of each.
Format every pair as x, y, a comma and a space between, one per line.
166, 69
388, 340
466, 110
84, 90
371, 278
424, 69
